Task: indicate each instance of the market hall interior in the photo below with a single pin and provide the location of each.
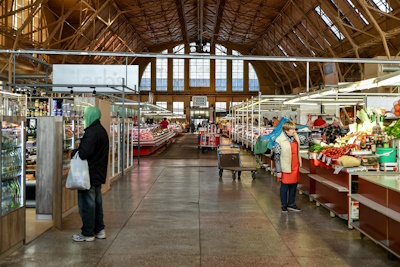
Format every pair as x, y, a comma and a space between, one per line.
173, 210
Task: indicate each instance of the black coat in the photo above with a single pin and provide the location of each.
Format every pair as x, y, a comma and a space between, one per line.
94, 147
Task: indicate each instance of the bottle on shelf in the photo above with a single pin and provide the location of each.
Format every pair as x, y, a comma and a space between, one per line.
379, 144
386, 143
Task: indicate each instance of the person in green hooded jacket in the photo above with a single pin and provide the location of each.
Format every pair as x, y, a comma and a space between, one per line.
94, 147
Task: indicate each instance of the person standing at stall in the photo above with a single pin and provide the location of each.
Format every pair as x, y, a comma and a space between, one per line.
164, 123
94, 148
319, 123
287, 163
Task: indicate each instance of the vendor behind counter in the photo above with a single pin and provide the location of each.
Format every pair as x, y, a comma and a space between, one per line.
333, 131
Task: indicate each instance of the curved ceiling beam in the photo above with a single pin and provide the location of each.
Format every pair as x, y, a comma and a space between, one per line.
217, 25
376, 25
339, 22
182, 21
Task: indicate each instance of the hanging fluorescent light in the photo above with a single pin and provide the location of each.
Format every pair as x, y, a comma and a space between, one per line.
305, 103
337, 100
341, 103
323, 93
392, 79
361, 85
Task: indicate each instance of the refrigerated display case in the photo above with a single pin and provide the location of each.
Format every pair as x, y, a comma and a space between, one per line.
12, 189
115, 147
151, 139
70, 137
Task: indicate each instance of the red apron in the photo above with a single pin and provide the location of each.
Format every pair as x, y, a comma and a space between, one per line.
294, 176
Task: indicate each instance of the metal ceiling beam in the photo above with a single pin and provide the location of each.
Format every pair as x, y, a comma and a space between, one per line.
202, 56
181, 14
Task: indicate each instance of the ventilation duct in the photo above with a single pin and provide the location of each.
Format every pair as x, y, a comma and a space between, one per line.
388, 68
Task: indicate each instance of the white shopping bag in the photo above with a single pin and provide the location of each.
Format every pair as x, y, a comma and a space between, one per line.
78, 176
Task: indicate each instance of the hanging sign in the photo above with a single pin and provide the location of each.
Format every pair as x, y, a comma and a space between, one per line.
101, 77
199, 101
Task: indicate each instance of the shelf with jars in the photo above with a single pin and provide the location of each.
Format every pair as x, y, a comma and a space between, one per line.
12, 189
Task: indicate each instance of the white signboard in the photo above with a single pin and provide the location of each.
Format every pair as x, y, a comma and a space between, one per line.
387, 102
199, 101
95, 75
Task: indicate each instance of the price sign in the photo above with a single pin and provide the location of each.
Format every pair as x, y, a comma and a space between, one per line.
323, 158
320, 156
337, 169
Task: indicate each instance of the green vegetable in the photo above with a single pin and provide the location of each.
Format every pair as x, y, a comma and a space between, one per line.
394, 131
315, 148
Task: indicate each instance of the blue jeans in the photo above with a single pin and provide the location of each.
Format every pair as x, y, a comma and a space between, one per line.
91, 210
292, 194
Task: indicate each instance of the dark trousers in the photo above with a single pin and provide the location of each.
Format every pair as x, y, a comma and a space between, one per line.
284, 194
91, 210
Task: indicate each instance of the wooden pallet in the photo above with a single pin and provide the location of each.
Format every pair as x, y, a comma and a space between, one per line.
373, 168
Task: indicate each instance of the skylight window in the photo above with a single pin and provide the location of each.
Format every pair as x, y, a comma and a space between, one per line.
383, 5
284, 52
315, 40
301, 40
333, 3
366, 22
328, 22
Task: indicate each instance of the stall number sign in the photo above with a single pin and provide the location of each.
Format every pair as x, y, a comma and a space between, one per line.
199, 101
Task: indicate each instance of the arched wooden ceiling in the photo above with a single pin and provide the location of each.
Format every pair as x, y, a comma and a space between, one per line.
258, 27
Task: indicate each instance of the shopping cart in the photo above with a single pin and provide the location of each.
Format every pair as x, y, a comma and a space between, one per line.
229, 159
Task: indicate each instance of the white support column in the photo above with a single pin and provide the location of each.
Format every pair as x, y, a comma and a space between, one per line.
132, 143
242, 125
252, 127
259, 113
113, 150
308, 77
231, 122
119, 146
247, 124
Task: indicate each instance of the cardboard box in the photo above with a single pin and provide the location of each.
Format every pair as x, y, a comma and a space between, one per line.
355, 210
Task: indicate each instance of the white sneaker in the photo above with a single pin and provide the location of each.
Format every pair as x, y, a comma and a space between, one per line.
101, 234
81, 238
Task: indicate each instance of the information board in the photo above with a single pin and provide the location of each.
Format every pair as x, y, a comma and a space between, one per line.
199, 101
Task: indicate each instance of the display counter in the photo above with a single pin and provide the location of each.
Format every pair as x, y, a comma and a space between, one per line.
151, 139
12, 176
332, 188
379, 210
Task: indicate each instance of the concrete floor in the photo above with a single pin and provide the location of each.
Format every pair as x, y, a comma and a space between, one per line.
174, 211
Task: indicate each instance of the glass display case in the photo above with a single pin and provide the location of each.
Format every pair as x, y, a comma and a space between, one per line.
115, 147
12, 187
12, 166
152, 136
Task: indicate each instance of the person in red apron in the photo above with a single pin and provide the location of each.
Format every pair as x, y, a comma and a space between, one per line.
287, 164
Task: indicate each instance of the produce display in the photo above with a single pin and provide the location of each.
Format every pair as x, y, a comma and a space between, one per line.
394, 130
348, 161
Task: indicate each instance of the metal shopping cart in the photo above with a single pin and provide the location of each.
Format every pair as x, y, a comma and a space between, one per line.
229, 159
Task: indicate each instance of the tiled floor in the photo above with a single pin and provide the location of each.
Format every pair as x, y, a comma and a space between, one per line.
174, 211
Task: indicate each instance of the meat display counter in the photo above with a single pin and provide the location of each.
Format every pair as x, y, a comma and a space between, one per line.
151, 139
